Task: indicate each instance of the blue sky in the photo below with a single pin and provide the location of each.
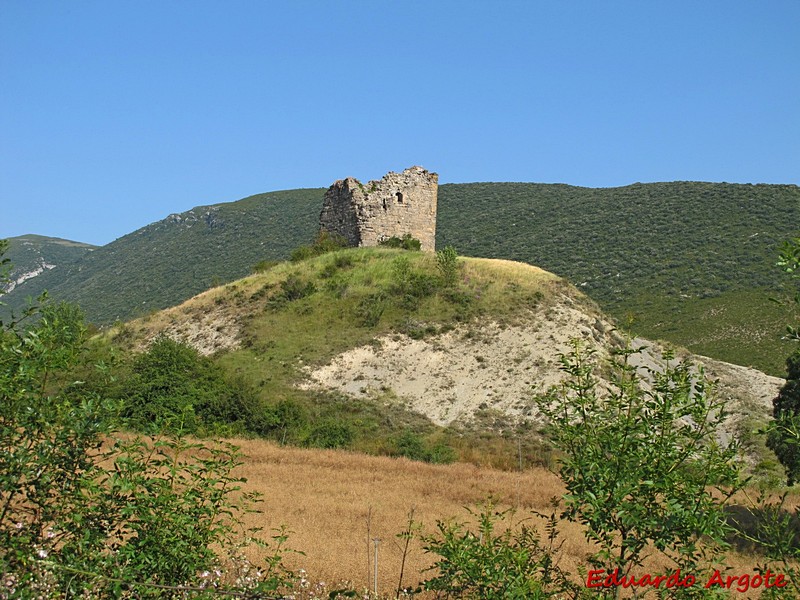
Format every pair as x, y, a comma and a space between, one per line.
114, 114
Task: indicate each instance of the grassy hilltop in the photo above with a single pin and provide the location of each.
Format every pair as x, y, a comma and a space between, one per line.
357, 347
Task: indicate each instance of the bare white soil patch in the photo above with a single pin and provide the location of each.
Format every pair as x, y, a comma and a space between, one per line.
452, 376
480, 366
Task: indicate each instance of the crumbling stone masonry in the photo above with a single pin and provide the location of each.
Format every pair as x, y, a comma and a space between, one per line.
398, 204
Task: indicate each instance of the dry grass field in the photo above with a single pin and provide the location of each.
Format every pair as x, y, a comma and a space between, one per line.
325, 498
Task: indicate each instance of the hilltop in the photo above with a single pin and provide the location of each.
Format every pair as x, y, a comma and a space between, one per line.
689, 262
371, 339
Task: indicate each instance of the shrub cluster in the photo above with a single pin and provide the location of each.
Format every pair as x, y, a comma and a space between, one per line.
88, 512
325, 242
406, 242
172, 388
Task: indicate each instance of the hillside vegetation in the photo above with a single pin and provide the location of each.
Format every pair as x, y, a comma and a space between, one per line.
268, 329
33, 255
667, 255
96, 509
356, 347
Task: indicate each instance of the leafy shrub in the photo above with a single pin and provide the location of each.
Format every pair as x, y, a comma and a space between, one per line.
490, 565
410, 285
331, 434
294, 288
86, 512
406, 242
411, 445
284, 421
291, 289
263, 266
447, 263
441, 454
460, 298
371, 308
341, 261
783, 435
640, 463
337, 285
173, 388
325, 242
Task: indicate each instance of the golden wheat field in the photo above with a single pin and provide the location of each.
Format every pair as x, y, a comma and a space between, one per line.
326, 499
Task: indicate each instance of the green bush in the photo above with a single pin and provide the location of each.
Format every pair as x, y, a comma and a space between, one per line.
410, 285
85, 512
325, 242
291, 289
491, 565
263, 266
172, 388
412, 446
331, 434
371, 308
284, 422
295, 288
640, 462
406, 242
447, 263
783, 435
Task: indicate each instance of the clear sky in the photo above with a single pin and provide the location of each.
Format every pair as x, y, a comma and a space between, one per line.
116, 113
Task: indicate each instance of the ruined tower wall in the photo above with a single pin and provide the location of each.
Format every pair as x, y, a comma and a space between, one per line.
397, 204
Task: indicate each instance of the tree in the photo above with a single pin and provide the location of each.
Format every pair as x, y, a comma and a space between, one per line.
640, 459
87, 510
782, 435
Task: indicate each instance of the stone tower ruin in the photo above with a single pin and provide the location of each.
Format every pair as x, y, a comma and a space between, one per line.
398, 204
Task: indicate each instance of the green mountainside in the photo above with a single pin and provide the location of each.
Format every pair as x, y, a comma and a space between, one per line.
690, 262
35, 255
173, 259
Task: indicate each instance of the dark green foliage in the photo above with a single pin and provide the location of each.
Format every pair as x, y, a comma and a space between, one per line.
263, 266
340, 261
371, 308
173, 388
783, 436
82, 512
638, 463
412, 446
325, 242
284, 422
493, 565
406, 242
331, 434
410, 285
294, 288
